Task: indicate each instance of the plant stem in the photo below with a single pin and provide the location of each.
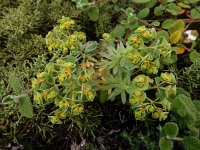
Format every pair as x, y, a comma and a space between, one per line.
148, 24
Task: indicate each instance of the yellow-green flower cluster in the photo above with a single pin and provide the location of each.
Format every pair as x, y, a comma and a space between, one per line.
144, 32
81, 36
171, 90
141, 35
138, 97
63, 37
88, 91
134, 57
135, 41
143, 105
44, 85
106, 36
66, 69
66, 23
168, 78
145, 109
159, 114
67, 108
140, 113
60, 84
142, 82
44, 96
150, 66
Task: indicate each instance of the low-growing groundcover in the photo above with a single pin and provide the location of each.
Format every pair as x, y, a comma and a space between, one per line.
79, 74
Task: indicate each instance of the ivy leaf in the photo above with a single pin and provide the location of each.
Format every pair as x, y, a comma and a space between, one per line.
129, 11
25, 107
178, 25
173, 9
167, 24
93, 13
164, 34
158, 11
184, 5
171, 129
191, 143
182, 91
151, 4
156, 23
195, 14
143, 13
197, 104
119, 31
165, 144
131, 19
175, 37
195, 56
15, 84
169, 60
181, 112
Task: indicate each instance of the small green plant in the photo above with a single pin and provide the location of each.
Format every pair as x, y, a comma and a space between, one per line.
65, 85
188, 120
130, 71
23, 100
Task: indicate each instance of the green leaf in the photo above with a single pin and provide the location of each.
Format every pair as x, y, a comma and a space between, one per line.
119, 31
191, 1
175, 37
171, 129
156, 23
173, 9
93, 13
131, 19
123, 96
197, 104
195, 14
90, 46
194, 56
165, 144
180, 91
25, 107
164, 34
129, 11
103, 96
141, 1
169, 60
8, 99
184, 5
191, 143
143, 13
158, 11
181, 112
189, 107
178, 25
167, 24
71, 59
15, 83
150, 4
